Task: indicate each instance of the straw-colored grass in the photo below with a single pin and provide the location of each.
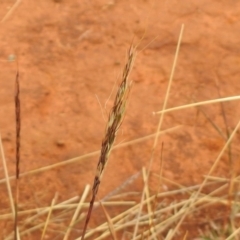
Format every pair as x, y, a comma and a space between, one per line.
152, 224
169, 213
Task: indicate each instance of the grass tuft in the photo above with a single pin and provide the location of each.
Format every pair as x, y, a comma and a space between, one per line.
168, 211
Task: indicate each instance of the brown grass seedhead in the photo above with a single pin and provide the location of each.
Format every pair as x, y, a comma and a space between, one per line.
114, 122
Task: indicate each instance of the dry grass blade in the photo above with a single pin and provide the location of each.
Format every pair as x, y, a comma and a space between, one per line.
234, 234
49, 215
88, 155
218, 100
110, 223
160, 124
185, 236
74, 218
61, 206
15, 5
43, 211
114, 122
149, 207
7, 178
18, 131
232, 172
212, 123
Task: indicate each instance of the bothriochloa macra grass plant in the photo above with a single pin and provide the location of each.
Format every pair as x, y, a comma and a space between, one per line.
161, 213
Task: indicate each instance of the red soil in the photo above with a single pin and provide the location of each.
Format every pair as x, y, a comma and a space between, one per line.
71, 53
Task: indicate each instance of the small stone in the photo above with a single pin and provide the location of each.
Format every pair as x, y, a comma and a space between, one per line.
60, 143
11, 58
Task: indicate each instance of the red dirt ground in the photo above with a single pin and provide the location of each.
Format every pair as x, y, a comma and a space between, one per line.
71, 53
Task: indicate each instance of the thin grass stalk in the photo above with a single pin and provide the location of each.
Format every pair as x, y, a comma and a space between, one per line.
28, 231
149, 206
226, 124
185, 236
160, 124
10, 195
159, 180
10, 11
207, 102
49, 215
76, 213
234, 234
18, 143
44, 210
212, 123
158, 190
231, 184
114, 122
110, 223
88, 155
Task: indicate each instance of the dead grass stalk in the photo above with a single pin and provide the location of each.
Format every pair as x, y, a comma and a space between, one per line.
114, 122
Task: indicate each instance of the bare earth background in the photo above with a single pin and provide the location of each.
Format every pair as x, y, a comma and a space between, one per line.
70, 55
